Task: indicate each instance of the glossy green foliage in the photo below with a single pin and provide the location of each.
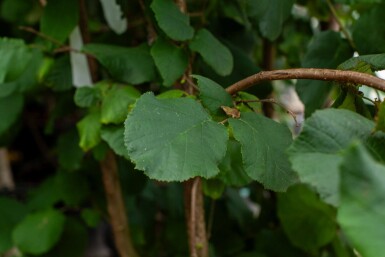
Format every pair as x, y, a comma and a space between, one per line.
174, 139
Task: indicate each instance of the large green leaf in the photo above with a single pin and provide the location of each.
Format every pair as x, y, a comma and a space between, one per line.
89, 130
11, 212
367, 35
271, 15
326, 50
213, 96
59, 77
132, 65
59, 28
308, 222
170, 60
115, 103
264, 142
362, 207
213, 52
315, 154
13, 105
174, 139
171, 20
39, 232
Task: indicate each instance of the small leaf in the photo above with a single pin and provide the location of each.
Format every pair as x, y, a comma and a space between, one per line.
72, 187
263, 143
213, 96
213, 52
174, 139
361, 214
173, 93
91, 217
370, 43
213, 188
170, 60
14, 106
59, 77
69, 153
271, 15
89, 130
364, 63
115, 103
171, 20
11, 213
113, 14
39, 232
59, 29
86, 96
132, 65
114, 136
308, 222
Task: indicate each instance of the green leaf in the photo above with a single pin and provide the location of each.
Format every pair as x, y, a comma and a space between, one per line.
213, 52
361, 214
114, 136
39, 232
59, 28
173, 93
86, 96
232, 170
72, 187
70, 154
271, 15
174, 139
14, 106
89, 130
46, 195
364, 63
263, 143
373, 42
308, 222
171, 20
91, 217
170, 60
213, 96
15, 11
19, 66
326, 50
132, 65
315, 154
380, 120
11, 213
59, 77
73, 240
115, 103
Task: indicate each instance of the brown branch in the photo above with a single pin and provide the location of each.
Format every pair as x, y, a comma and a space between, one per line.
341, 76
116, 207
42, 35
6, 178
195, 218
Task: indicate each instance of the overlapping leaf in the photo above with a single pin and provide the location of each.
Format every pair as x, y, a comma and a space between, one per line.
171, 20
132, 65
315, 154
170, 60
362, 207
174, 139
263, 143
213, 52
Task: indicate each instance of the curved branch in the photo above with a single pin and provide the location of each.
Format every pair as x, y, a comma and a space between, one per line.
309, 73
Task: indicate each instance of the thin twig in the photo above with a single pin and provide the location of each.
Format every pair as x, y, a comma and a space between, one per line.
272, 100
211, 219
342, 27
42, 35
309, 73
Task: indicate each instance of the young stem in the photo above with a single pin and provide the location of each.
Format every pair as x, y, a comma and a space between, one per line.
195, 218
116, 207
341, 76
